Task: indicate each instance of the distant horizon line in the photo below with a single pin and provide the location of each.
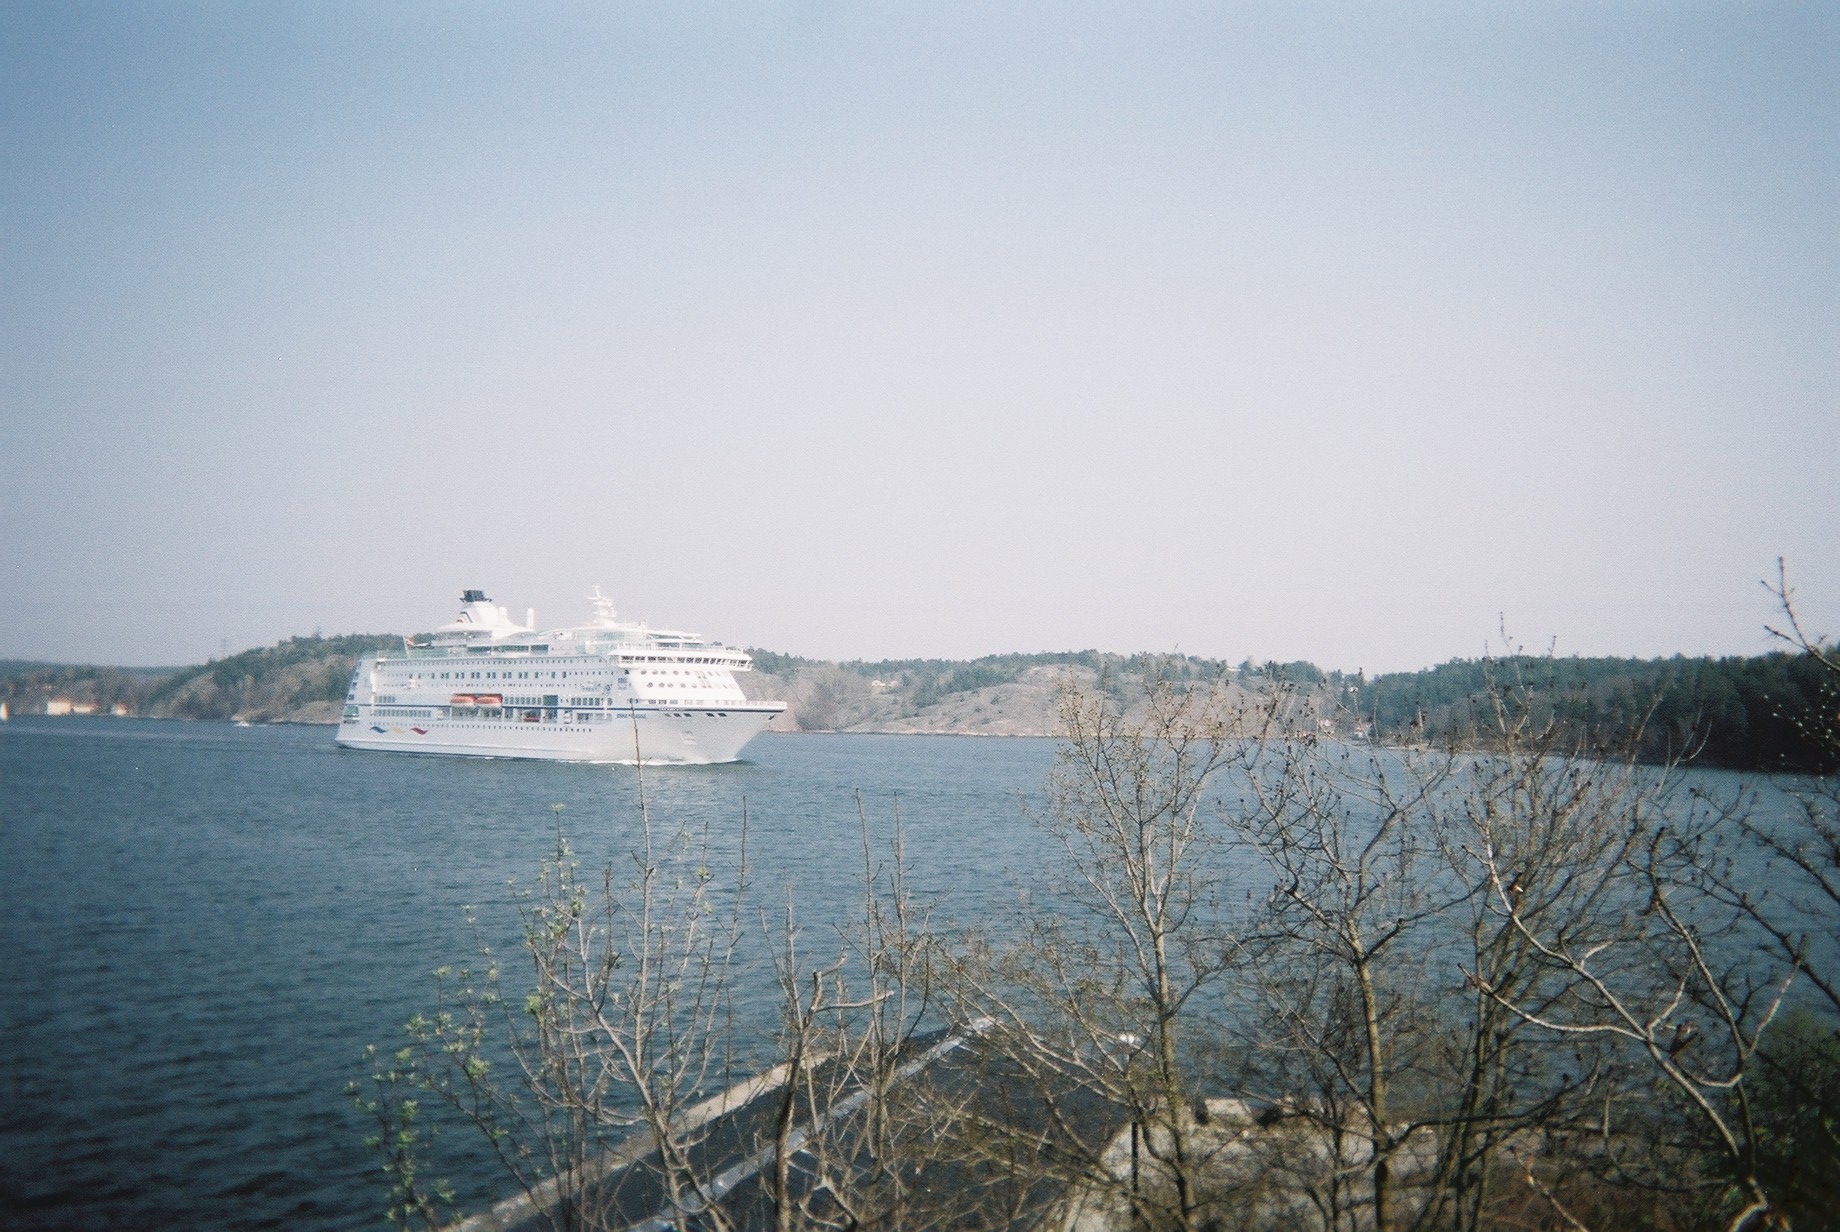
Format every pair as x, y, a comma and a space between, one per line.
11, 663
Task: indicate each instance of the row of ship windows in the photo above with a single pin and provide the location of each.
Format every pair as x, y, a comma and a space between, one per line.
390, 699
385, 706
644, 671
497, 726
706, 683
507, 651
628, 659
488, 712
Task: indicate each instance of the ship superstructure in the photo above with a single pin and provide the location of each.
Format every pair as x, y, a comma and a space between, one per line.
486, 686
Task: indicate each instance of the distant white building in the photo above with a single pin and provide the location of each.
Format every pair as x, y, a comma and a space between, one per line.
63, 705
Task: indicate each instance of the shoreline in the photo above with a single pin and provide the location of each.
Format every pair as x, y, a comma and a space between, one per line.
813, 731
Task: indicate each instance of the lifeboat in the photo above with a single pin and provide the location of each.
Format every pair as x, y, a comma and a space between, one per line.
488, 699
462, 699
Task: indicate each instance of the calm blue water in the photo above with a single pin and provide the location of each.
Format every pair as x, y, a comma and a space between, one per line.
202, 926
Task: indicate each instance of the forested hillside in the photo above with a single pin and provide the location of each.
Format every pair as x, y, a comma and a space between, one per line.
26, 686
1739, 713
300, 680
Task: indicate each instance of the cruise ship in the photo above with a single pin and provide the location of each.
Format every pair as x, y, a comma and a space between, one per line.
607, 691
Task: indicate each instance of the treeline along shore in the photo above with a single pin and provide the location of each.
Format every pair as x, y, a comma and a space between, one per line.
1742, 713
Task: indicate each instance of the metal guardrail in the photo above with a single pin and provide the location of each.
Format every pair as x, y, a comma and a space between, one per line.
671, 1218
520, 1211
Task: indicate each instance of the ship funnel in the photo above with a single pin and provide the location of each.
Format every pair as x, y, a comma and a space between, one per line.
603, 607
530, 617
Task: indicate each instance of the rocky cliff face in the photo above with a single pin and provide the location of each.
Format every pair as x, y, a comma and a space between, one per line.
830, 698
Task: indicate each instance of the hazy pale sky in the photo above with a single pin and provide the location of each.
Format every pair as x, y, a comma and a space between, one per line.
1340, 332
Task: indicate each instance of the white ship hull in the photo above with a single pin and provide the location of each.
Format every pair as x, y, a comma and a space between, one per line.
647, 737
